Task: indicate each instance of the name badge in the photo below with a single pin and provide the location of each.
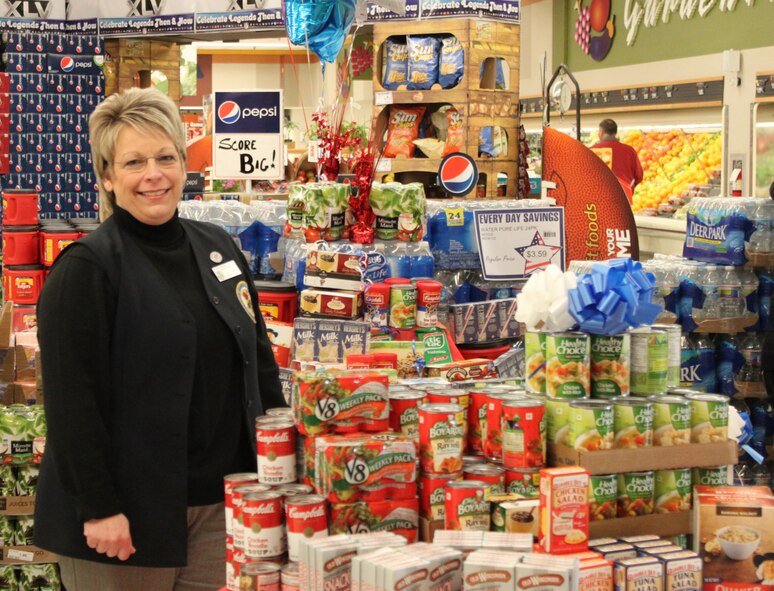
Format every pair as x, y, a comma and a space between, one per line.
226, 271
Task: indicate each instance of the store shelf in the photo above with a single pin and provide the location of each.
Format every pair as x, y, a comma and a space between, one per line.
660, 235
662, 524
646, 458
26, 555
17, 505
759, 259
726, 325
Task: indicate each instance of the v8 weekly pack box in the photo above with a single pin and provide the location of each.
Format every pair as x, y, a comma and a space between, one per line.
734, 535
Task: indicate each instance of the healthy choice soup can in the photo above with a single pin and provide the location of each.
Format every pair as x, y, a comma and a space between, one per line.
568, 365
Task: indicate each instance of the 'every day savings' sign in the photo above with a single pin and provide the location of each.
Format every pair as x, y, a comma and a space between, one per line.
247, 139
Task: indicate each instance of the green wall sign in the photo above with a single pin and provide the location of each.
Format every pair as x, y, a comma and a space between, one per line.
597, 34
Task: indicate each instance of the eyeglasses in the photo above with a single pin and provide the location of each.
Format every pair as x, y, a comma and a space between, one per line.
139, 164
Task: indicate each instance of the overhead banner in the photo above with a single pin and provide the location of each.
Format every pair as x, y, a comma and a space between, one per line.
596, 207
143, 16
377, 13
236, 15
504, 10
247, 139
514, 243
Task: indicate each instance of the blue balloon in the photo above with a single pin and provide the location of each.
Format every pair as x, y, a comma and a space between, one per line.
320, 25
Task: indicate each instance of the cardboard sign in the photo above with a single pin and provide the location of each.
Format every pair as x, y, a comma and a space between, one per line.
247, 140
512, 244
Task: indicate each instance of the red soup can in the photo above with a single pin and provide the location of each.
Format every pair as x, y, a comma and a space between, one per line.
22, 284
291, 579
441, 438
404, 412
376, 303
307, 517
20, 245
237, 500
260, 576
431, 494
230, 578
428, 299
229, 482
294, 490
263, 525
276, 443
238, 560
493, 443
524, 434
467, 506
524, 482
494, 476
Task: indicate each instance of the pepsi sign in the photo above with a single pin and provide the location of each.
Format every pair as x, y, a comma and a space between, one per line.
75, 64
458, 174
248, 112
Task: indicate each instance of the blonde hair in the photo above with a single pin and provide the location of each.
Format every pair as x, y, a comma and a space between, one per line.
146, 110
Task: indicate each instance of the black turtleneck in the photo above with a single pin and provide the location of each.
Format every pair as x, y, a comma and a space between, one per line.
218, 441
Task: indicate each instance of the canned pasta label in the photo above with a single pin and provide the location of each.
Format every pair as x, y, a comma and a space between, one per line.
609, 366
441, 438
567, 365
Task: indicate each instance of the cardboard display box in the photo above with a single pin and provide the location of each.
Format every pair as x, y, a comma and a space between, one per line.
648, 458
17, 505
427, 528
661, 524
26, 555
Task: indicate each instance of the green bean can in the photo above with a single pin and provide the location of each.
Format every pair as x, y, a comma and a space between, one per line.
633, 423
603, 496
673, 490
711, 476
635, 493
649, 361
403, 306
671, 420
591, 425
709, 418
610, 365
568, 365
535, 362
557, 420
674, 333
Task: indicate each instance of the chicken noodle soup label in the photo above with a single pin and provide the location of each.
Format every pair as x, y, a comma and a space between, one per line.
671, 421
673, 490
633, 424
609, 365
567, 365
591, 425
709, 418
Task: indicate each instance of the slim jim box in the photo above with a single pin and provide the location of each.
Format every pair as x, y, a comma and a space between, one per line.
734, 535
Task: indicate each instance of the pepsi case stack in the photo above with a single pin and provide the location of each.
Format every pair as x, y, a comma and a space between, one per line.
51, 84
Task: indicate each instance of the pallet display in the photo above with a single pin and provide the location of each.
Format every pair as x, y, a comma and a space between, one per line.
474, 97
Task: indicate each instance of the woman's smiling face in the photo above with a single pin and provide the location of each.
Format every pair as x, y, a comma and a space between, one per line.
146, 175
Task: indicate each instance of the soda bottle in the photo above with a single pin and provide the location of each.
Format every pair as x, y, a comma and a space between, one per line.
751, 351
729, 293
749, 285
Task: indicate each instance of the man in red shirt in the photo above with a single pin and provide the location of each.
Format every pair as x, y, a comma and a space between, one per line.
622, 159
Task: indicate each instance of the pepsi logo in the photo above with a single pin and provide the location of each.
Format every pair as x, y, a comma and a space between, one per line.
67, 64
458, 174
229, 112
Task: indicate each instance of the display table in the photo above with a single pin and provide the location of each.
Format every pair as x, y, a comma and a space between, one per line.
659, 235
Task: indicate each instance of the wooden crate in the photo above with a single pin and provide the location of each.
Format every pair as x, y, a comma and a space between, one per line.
129, 57
481, 40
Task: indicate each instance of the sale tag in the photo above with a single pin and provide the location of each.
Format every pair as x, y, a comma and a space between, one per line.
21, 555
383, 98
313, 151
455, 217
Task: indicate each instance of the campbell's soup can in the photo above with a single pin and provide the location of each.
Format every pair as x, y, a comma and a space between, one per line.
238, 560
238, 499
441, 438
493, 443
262, 523
467, 506
229, 482
290, 577
523, 481
404, 412
376, 304
307, 517
276, 442
294, 490
260, 576
494, 476
523, 425
428, 299
431, 494
231, 583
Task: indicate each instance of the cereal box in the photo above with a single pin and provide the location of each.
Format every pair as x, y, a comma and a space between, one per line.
639, 574
564, 510
734, 535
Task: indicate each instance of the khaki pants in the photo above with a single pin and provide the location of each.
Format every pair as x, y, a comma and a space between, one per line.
206, 569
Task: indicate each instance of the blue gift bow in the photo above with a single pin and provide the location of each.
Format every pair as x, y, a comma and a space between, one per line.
616, 295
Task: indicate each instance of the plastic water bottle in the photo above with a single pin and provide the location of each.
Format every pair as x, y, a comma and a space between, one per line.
749, 284
729, 362
707, 369
710, 284
666, 286
765, 292
730, 302
763, 216
751, 351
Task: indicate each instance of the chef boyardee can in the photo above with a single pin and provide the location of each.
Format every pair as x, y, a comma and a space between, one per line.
633, 423
709, 418
674, 355
567, 365
671, 420
494, 476
591, 425
650, 361
535, 362
524, 482
610, 365
467, 506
